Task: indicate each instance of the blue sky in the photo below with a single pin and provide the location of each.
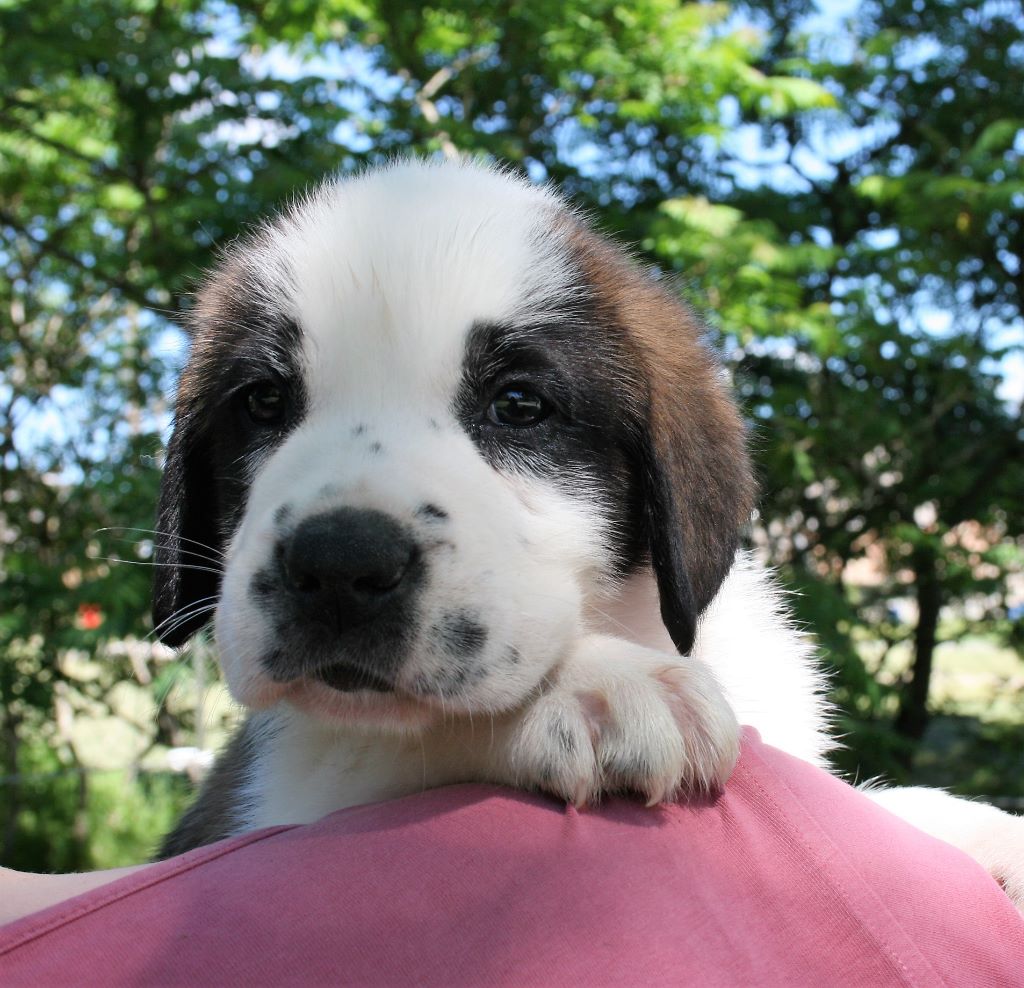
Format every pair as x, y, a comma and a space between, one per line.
65, 414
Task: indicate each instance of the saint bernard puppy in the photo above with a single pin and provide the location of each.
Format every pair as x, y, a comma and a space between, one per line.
462, 488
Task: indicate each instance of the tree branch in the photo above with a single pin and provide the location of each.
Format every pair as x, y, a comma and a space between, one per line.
119, 283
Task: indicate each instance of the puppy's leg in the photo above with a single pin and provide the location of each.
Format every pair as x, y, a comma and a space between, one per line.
993, 838
617, 716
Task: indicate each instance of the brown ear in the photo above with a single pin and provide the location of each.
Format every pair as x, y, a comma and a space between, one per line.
186, 576
696, 478
697, 487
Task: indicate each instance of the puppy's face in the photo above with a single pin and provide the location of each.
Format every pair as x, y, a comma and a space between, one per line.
431, 420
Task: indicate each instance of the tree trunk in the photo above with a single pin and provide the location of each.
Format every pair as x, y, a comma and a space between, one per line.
913, 715
10, 788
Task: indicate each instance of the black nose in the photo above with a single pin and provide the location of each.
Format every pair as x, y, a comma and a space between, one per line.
346, 567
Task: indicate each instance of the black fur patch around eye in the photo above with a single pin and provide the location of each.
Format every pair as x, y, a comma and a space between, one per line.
591, 443
238, 340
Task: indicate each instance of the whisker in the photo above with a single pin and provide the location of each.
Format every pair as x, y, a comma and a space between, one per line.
156, 531
173, 627
193, 605
184, 552
613, 621
183, 615
143, 562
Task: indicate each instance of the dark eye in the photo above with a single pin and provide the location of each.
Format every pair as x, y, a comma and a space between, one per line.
265, 402
518, 406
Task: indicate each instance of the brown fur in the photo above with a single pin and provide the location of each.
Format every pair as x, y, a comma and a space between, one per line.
695, 479
702, 478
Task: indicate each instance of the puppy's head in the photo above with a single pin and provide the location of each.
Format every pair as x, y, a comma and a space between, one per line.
430, 420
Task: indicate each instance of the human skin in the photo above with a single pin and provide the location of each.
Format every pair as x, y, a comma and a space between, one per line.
22, 893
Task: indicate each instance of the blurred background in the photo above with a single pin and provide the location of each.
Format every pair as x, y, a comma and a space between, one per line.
838, 185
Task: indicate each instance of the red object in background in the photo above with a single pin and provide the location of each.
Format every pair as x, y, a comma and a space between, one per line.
90, 617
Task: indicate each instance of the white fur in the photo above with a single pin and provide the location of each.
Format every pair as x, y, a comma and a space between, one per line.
760, 658
993, 838
386, 290
385, 310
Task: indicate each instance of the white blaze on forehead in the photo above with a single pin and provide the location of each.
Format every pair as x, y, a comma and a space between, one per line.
388, 272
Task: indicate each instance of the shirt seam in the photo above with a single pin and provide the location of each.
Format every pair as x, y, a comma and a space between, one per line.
883, 943
75, 908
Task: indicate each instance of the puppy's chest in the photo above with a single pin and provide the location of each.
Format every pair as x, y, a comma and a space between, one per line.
300, 772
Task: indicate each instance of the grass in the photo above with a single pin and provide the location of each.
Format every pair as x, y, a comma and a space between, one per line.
974, 743
974, 677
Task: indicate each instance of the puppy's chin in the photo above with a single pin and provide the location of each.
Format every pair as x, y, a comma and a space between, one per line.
363, 709
373, 709
405, 708
366, 709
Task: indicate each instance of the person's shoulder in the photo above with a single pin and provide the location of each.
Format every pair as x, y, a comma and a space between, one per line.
789, 876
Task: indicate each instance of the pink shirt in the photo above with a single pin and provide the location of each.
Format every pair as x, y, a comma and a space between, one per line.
791, 878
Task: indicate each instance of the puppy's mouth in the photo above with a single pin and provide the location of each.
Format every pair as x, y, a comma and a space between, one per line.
347, 679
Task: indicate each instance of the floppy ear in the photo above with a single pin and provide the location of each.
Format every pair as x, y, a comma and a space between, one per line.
698, 493
186, 576
696, 480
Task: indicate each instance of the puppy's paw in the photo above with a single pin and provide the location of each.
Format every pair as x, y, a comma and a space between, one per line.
617, 716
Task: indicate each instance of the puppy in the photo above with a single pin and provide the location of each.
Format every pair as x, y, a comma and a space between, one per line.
462, 488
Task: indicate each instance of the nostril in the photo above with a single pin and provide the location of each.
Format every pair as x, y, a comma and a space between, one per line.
348, 561
377, 584
303, 582
298, 574
384, 580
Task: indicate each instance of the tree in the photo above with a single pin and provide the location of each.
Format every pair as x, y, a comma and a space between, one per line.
894, 431
846, 212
